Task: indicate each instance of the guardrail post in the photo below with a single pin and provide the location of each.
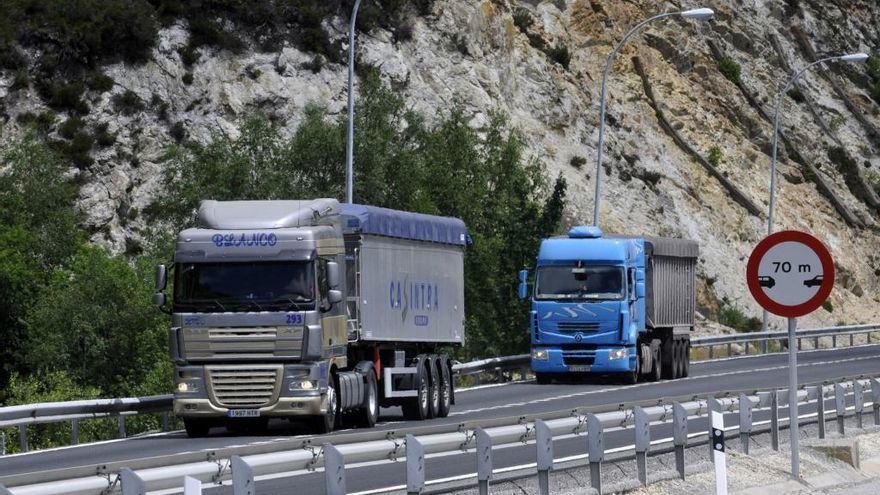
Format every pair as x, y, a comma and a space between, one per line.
711, 352
833, 341
595, 451
334, 470
242, 477
74, 431
711, 405
746, 347
851, 340
165, 421
484, 460
816, 346
2, 443
799, 344
415, 466
745, 421
774, 420
858, 402
121, 433
729, 349
643, 442
22, 438
875, 398
679, 435
132, 484
765, 344
840, 404
820, 410
544, 445
191, 486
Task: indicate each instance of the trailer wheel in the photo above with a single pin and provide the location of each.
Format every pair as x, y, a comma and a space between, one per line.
434, 388
369, 413
417, 407
669, 358
682, 357
656, 373
196, 428
326, 422
686, 362
446, 384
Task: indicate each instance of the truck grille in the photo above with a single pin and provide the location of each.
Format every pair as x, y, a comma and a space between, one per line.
577, 326
242, 342
253, 386
578, 357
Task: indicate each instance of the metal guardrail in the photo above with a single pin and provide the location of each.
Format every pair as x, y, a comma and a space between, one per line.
74, 411
240, 470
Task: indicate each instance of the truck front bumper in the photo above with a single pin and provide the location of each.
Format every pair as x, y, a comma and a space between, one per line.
601, 361
285, 407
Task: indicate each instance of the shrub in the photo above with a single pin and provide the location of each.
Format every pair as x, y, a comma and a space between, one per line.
577, 161
189, 55
100, 82
559, 54
127, 102
70, 127
403, 32
522, 19
537, 41
178, 132
205, 31
66, 96
102, 136
828, 306
20, 80
41, 122
715, 156
187, 78
732, 316
729, 69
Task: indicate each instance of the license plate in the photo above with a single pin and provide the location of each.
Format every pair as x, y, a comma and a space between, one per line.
577, 368
243, 413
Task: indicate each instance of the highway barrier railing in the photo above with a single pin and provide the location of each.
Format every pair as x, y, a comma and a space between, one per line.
22, 416
648, 423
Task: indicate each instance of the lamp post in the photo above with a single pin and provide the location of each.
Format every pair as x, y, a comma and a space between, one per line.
349, 143
701, 14
780, 98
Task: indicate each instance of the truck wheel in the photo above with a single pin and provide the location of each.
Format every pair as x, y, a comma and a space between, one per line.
434, 389
686, 362
326, 422
369, 414
196, 428
446, 384
543, 378
669, 358
656, 372
632, 377
680, 356
417, 407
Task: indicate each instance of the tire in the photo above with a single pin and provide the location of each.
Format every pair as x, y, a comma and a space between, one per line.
434, 387
543, 378
446, 386
196, 428
327, 422
669, 358
632, 377
416, 408
368, 415
686, 362
656, 373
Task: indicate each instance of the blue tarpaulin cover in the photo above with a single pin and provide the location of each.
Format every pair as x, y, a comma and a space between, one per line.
403, 224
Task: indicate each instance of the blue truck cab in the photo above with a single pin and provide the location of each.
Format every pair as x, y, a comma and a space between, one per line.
611, 305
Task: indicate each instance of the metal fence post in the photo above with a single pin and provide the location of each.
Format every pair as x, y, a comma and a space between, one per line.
165, 421
74, 431
820, 410
745, 421
242, 477
22, 438
711, 405
711, 352
764, 346
191, 486
774, 420
132, 484
415, 466
851, 340
643, 442
840, 404
833, 341
679, 435
875, 398
334, 471
2, 443
121, 433
858, 402
544, 445
484, 460
595, 450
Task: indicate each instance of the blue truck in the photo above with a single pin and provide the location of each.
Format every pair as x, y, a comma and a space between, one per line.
620, 305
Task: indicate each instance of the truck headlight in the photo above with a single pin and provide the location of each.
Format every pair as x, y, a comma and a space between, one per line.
617, 354
540, 354
187, 387
303, 385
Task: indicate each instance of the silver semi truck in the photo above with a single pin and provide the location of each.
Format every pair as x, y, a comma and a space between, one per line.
310, 309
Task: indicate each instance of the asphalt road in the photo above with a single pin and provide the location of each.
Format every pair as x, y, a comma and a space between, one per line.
479, 404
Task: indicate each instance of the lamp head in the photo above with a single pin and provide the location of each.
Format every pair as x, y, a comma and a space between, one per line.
855, 57
701, 14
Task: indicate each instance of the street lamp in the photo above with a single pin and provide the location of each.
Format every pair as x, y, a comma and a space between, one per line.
700, 14
852, 57
349, 143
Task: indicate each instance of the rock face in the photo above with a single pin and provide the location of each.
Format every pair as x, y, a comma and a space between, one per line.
474, 51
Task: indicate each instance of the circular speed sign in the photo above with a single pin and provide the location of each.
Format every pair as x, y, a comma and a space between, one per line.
790, 273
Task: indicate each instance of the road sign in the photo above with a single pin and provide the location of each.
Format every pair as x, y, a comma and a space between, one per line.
790, 273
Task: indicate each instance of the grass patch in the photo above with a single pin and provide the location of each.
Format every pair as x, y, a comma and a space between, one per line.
732, 316
730, 69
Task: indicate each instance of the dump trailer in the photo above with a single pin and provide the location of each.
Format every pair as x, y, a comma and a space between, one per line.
612, 305
312, 310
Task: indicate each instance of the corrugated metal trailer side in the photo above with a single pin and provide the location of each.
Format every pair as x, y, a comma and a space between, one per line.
409, 291
671, 282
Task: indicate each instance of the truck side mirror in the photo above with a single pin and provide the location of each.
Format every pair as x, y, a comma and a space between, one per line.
523, 284
161, 277
159, 299
333, 275
334, 296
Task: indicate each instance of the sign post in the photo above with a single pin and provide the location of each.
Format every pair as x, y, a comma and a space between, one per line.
791, 274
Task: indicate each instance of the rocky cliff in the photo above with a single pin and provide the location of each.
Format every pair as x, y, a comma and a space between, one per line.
688, 120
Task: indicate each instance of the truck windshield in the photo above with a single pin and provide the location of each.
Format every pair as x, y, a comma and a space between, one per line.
249, 286
594, 282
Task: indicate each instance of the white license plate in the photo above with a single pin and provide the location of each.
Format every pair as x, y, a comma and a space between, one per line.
243, 413
578, 368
